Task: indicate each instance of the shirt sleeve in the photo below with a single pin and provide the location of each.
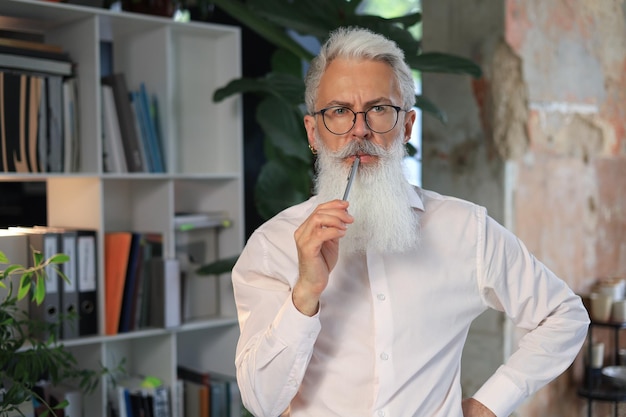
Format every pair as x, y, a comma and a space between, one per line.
553, 318
276, 341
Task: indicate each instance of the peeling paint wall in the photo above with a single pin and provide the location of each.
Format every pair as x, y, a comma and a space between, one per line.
540, 140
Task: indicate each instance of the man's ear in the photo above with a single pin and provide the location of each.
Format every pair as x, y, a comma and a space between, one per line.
310, 126
409, 122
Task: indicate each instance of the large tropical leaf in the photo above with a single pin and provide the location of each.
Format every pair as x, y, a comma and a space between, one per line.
275, 189
271, 32
283, 127
444, 63
428, 106
310, 17
221, 266
285, 87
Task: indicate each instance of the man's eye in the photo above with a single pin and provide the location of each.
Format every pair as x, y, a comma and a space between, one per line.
377, 109
340, 111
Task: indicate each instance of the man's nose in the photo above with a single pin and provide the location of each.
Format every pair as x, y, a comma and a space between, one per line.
360, 129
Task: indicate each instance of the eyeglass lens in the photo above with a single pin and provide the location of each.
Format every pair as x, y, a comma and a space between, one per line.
340, 120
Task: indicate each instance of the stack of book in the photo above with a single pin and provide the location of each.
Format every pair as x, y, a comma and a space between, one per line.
132, 134
142, 288
207, 394
39, 117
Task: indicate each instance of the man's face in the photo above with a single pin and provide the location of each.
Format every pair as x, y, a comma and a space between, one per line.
357, 85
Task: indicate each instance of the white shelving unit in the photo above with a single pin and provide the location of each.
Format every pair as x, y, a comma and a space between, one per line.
183, 64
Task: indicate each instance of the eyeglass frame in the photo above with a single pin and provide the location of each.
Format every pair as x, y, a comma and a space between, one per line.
398, 109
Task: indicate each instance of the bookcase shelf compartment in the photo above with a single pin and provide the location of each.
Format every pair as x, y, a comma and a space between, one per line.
182, 64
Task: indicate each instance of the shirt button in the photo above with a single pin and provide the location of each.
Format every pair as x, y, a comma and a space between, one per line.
381, 413
381, 297
384, 356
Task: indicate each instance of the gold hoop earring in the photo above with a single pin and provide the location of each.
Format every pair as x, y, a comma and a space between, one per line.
313, 150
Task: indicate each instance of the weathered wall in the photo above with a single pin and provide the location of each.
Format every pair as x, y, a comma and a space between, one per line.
545, 135
570, 183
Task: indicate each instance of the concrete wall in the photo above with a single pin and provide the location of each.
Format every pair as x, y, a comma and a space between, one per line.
540, 140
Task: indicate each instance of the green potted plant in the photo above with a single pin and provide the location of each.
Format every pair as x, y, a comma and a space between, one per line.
286, 176
23, 357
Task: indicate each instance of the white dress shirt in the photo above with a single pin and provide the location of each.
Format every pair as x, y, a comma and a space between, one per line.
388, 337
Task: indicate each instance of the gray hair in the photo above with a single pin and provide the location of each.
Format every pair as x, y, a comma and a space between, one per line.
359, 43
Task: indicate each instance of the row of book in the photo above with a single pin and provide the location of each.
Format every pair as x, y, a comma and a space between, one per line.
70, 307
142, 287
195, 393
131, 128
39, 117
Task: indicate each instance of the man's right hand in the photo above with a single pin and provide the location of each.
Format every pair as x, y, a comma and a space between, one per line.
317, 241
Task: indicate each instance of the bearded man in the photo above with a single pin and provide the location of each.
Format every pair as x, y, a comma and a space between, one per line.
361, 307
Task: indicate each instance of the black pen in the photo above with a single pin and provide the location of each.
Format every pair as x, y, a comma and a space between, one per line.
355, 165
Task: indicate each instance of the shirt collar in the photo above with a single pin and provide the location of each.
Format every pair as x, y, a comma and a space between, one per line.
415, 198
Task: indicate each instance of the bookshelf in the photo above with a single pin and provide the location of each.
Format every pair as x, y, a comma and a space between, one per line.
182, 64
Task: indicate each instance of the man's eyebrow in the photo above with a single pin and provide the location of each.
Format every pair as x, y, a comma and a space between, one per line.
367, 105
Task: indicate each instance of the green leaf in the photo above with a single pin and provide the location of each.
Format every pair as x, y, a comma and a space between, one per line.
40, 290
444, 63
3, 258
284, 86
275, 188
25, 284
11, 269
283, 127
286, 62
37, 258
271, 32
59, 258
431, 108
218, 267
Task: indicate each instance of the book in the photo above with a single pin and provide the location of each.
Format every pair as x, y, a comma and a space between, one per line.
152, 248
154, 145
142, 131
70, 125
130, 140
224, 394
30, 44
36, 64
21, 96
69, 296
133, 271
55, 138
116, 254
165, 297
23, 48
35, 89
186, 221
88, 320
196, 399
115, 160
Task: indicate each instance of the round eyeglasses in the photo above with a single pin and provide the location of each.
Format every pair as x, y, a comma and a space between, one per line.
340, 120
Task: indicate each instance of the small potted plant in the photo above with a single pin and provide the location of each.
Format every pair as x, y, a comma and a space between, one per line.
24, 358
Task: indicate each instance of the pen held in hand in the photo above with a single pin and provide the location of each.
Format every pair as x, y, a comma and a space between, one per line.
355, 165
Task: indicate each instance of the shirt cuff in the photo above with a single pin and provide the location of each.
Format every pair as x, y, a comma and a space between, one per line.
293, 327
501, 395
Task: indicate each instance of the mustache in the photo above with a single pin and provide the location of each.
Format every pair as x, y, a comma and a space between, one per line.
358, 148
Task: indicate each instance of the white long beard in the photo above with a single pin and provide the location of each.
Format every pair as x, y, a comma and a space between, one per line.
384, 220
